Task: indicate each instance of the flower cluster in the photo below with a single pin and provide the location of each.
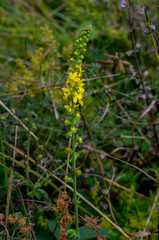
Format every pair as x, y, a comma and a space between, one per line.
74, 85
92, 225
40, 63
1, 218
62, 205
24, 227
74, 89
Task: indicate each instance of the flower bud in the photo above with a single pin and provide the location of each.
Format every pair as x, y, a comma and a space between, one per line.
78, 172
2, 118
68, 150
68, 179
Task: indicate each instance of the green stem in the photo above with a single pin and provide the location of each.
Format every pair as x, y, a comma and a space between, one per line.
158, 11
153, 41
3, 157
28, 150
74, 175
27, 165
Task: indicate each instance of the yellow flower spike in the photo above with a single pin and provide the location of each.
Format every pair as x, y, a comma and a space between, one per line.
73, 95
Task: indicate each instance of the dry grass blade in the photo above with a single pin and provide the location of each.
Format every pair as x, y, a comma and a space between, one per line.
109, 200
106, 110
124, 119
130, 137
151, 212
129, 164
122, 187
18, 120
96, 78
52, 86
11, 177
140, 117
93, 146
29, 94
139, 234
30, 89
3, 225
146, 111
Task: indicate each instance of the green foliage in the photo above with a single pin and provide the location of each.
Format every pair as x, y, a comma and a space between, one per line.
36, 43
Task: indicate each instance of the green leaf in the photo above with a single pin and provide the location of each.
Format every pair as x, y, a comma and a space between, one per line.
53, 227
71, 233
85, 233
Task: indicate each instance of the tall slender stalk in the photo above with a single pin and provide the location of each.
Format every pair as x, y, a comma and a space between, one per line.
3, 157
74, 175
9, 197
73, 95
27, 165
153, 37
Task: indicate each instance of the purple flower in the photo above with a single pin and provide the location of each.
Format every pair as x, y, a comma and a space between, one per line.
123, 4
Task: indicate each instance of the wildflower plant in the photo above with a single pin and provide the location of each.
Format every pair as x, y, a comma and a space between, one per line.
16, 225
73, 94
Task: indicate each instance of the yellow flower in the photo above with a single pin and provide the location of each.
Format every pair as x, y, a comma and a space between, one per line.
80, 69
74, 89
69, 109
80, 140
77, 97
81, 102
81, 84
81, 90
65, 89
66, 93
74, 129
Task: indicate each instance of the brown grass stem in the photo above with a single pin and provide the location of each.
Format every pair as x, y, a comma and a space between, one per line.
11, 177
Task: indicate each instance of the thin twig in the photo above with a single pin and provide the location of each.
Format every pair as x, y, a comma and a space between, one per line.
125, 162
138, 68
93, 146
105, 111
151, 212
3, 156
109, 201
120, 186
3, 225
11, 177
